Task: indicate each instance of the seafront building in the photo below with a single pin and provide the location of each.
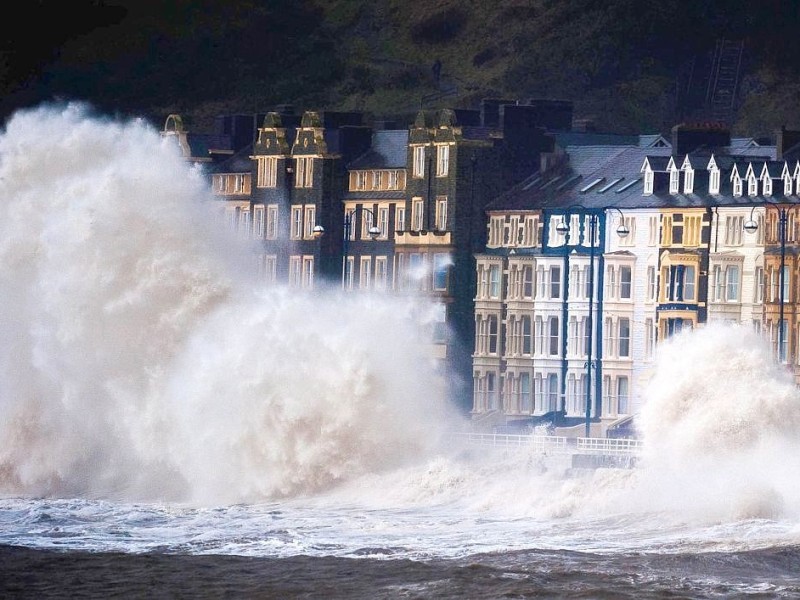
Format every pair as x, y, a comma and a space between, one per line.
558, 258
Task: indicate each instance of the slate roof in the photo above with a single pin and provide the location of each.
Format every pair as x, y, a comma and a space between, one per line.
388, 151
605, 177
237, 163
375, 195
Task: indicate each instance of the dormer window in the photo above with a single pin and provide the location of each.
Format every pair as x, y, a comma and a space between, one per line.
674, 181
713, 181
787, 186
737, 186
688, 181
752, 186
767, 186
648, 182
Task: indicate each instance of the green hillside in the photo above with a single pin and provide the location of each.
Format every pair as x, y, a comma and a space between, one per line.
628, 66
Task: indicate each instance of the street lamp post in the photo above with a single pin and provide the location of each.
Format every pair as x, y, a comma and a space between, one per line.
373, 232
751, 226
622, 231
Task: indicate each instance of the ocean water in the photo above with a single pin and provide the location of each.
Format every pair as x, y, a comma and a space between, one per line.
173, 428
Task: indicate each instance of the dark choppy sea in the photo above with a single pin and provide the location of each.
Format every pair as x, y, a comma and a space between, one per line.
37, 573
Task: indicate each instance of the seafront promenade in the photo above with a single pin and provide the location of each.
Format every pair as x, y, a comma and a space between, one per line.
580, 452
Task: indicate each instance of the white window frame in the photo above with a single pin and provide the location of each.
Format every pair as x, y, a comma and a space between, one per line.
441, 213
267, 172
442, 160
418, 162
271, 230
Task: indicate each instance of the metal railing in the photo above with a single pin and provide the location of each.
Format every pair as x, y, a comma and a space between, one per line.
552, 443
507, 440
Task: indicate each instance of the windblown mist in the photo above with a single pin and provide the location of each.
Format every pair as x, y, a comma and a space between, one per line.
141, 360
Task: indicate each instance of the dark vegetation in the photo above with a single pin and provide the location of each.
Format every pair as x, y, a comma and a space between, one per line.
629, 66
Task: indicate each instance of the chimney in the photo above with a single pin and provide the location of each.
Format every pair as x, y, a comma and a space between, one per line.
786, 139
687, 137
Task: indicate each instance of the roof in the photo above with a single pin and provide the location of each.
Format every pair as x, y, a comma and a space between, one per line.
237, 163
599, 178
388, 151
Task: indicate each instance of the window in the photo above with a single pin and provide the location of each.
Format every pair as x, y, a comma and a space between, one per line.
400, 218
681, 283
365, 272
758, 295
367, 222
622, 395
439, 334
652, 239
529, 232
767, 186
552, 392
304, 172
360, 180
734, 225
295, 271
270, 268
527, 282
649, 339
752, 186
732, 283
383, 222
348, 276
525, 393
494, 281
491, 390
493, 332
244, 223
391, 180
624, 337
674, 181
718, 282
572, 344
737, 186
272, 222
688, 181
630, 223
310, 222
442, 160
267, 171
238, 183
297, 222
787, 186
651, 284
714, 181
691, 230
648, 182
308, 272
553, 334
441, 212
417, 214
381, 272
496, 227
666, 230
418, 166
555, 282
258, 221
376, 180
441, 262
527, 335
625, 282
